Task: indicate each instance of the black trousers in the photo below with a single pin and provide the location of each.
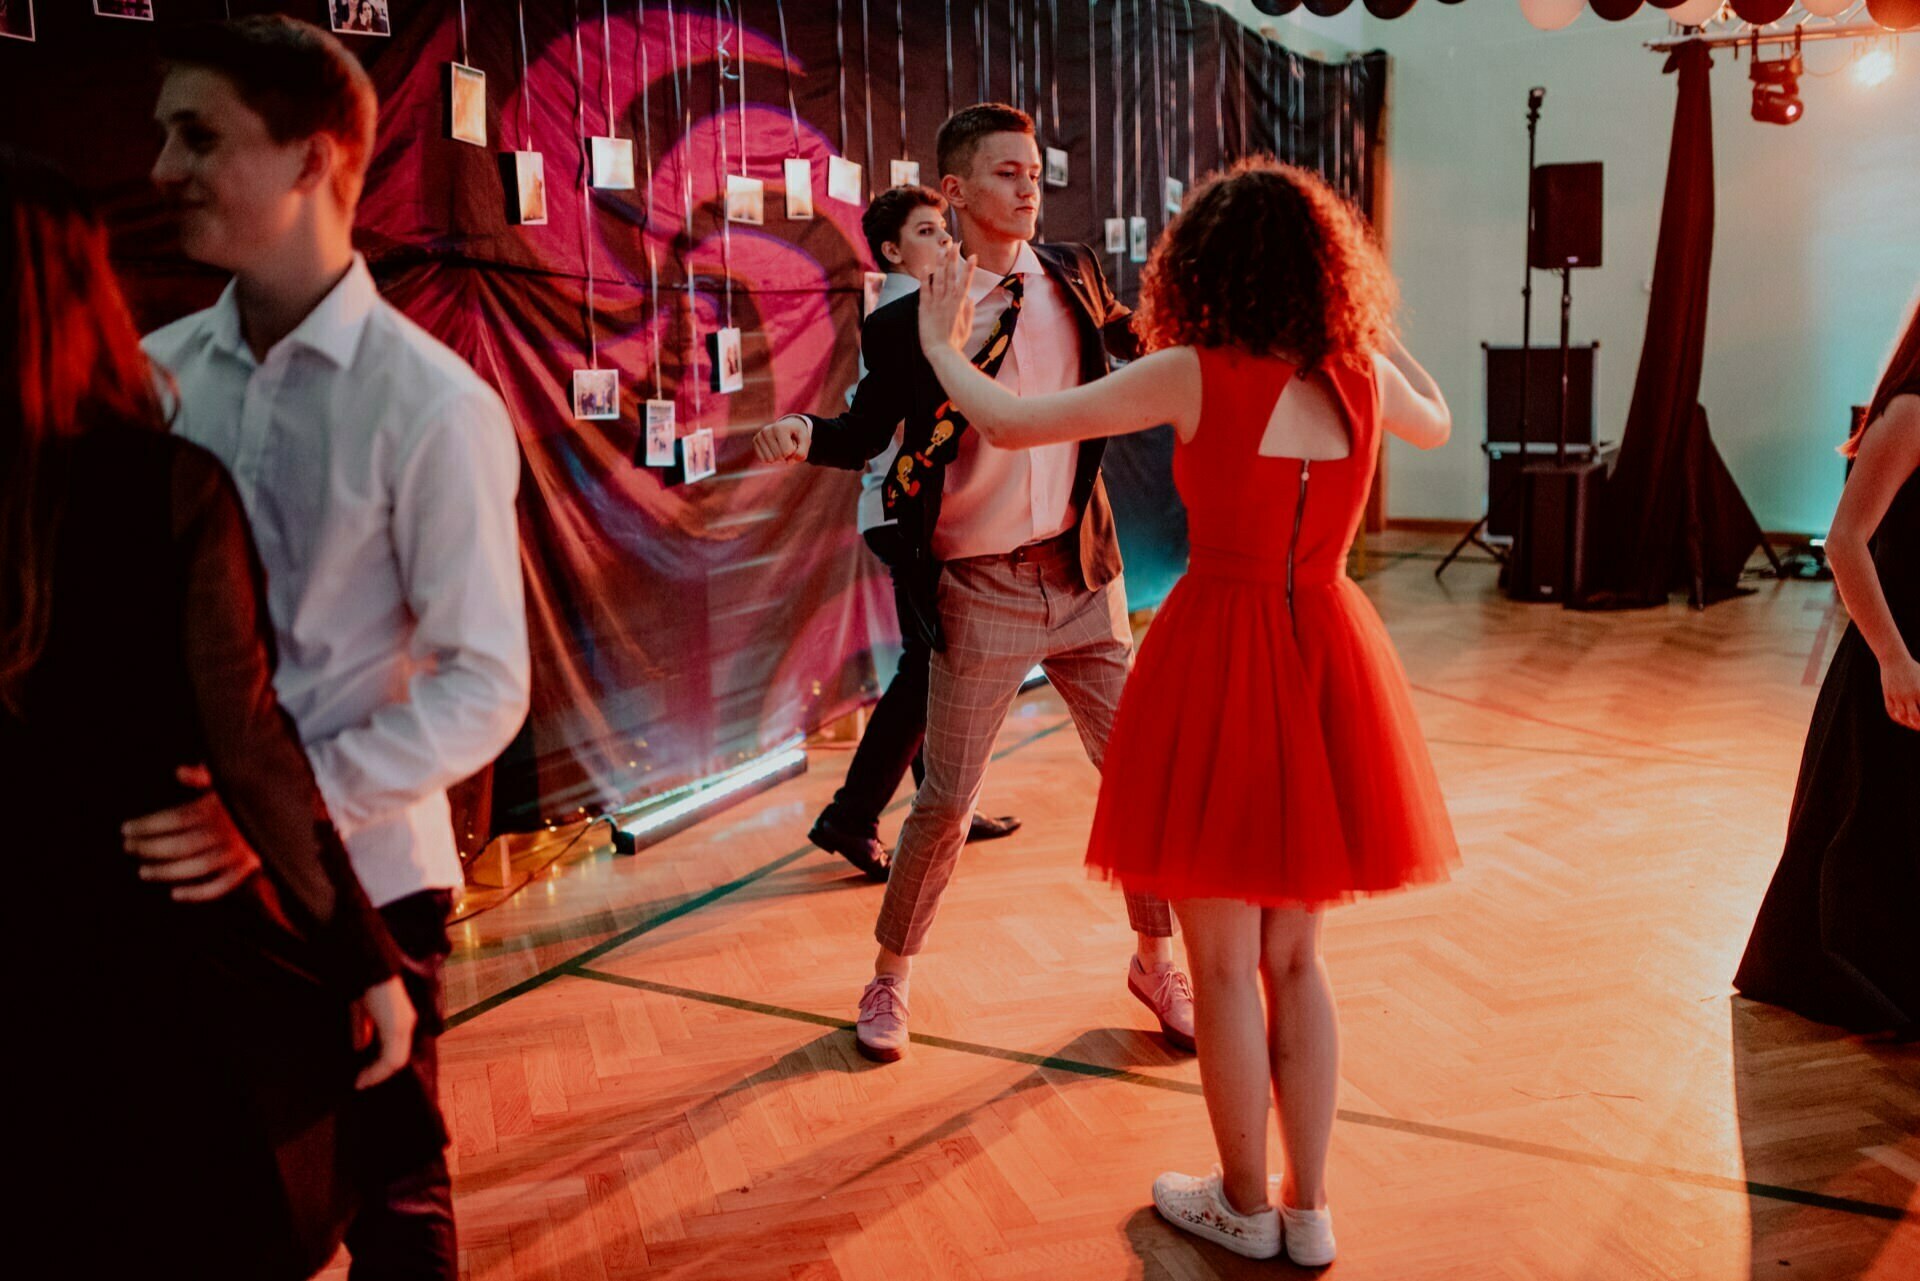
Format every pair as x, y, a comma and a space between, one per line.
891, 745
404, 1230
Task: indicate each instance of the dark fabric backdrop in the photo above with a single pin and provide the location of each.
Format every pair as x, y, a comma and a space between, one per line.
1671, 515
680, 628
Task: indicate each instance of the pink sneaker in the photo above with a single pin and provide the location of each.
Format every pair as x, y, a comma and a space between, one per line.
882, 1030
1166, 991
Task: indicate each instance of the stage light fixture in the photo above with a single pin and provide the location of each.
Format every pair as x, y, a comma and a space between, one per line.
1776, 89
1873, 68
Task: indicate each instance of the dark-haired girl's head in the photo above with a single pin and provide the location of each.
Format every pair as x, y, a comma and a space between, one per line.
1267, 259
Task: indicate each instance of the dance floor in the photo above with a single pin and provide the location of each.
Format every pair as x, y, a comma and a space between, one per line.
1546, 1074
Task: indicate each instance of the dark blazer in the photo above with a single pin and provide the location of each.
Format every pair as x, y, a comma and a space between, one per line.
900, 386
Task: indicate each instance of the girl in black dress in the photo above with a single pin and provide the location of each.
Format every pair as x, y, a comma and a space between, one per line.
181, 1060
1836, 939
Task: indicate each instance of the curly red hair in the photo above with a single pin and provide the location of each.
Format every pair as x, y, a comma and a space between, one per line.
1268, 259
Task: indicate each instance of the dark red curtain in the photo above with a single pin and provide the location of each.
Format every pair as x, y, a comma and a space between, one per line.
1671, 516
680, 628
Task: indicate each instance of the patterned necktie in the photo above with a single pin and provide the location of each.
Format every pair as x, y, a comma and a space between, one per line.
928, 455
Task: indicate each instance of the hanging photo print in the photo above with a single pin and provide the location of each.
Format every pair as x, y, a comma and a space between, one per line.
525, 176
596, 393
746, 200
1137, 238
1176, 195
660, 433
1056, 167
799, 175
16, 19
729, 372
1116, 235
359, 17
843, 180
905, 173
870, 286
611, 163
697, 452
466, 90
138, 10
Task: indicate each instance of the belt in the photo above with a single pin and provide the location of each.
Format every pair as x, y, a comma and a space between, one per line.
1059, 547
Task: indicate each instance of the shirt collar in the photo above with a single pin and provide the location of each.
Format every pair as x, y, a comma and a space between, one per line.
1026, 265
332, 328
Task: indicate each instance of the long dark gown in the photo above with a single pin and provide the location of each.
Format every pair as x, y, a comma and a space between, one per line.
176, 1075
1838, 937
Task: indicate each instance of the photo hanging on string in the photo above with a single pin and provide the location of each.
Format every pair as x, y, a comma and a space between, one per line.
359, 17
524, 174
1116, 235
660, 433
843, 180
611, 163
698, 453
905, 173
799, 175
466, 89
1056, 167
729, 370
1137, 238
596, 393
16, 19
138, 10
1176, 195
746, 200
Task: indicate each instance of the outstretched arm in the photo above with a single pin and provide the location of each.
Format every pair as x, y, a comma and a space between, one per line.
1161, 388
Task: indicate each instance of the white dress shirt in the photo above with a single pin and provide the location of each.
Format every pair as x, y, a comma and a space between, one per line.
997, 500
872, 511
378, 472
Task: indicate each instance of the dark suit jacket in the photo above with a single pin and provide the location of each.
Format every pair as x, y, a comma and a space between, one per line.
900, 386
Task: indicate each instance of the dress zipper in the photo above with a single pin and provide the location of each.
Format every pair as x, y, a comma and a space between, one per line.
1293, 546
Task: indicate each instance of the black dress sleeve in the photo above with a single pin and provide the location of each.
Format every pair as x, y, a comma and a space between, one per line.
259, 768
881, 399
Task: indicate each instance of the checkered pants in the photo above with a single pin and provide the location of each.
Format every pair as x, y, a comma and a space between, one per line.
1000, 619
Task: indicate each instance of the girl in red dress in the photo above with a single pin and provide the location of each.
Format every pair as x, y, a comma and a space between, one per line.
1266, 760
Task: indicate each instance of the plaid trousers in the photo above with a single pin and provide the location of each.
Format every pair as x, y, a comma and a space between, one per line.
1000, 618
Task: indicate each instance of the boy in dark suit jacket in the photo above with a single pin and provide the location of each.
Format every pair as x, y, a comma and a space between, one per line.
1009, 557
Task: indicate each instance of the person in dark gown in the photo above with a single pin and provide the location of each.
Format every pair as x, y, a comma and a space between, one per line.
1836, 939
181, 1058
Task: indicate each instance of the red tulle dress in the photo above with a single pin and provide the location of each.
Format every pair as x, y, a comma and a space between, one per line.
1266, 747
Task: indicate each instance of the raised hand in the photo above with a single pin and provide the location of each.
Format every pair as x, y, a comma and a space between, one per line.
946, 304
784, 440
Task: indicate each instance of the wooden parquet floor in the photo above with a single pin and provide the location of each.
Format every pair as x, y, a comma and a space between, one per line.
1546, 1074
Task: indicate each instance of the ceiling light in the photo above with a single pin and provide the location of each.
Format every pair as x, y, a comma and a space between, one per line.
1873, 68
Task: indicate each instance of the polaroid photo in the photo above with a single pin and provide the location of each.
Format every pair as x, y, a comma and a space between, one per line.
696, 451
466, 90
843, 180
1137, 238
1056, 167
870, 286
596, 393
611, 163
524, 174
1176, 195
729, 370
359, 17
660, 433
799, 175
746, 200
1116, 235
138, 10
904, 173
16, 19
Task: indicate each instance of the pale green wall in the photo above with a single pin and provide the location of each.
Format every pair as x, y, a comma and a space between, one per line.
1816, 252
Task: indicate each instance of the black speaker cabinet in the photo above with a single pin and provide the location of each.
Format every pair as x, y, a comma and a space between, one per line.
1557, 507
1566, 216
